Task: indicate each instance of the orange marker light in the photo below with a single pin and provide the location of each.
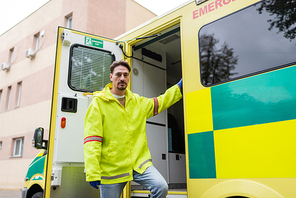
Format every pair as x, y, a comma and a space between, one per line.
63, 122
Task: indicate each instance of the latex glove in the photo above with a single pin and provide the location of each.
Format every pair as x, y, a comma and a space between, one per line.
180, 83
95, 184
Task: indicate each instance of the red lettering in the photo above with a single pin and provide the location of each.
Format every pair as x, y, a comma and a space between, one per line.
195, 14
225, 2
218, 3
211, 7
203, 11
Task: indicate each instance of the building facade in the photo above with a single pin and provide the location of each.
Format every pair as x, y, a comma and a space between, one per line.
27, 56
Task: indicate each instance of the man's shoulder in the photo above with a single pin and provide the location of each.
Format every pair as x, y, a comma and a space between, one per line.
98, 94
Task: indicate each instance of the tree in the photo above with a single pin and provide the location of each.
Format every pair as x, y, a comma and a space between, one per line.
216, 64
284, 12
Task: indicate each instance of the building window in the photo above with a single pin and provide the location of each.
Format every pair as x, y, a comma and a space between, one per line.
37, 40
0, 98
11, 55
0, 144
68, 20
19, 91
8, 98
18, 147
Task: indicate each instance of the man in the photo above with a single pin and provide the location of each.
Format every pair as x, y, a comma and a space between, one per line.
115, 143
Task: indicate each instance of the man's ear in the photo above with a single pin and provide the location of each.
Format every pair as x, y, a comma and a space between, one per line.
111, 77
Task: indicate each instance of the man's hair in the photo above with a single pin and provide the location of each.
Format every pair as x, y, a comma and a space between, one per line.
119, 63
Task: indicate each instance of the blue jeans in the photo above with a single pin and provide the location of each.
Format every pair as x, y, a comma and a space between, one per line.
151, 179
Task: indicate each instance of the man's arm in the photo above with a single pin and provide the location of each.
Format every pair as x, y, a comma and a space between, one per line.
93, 137
164, 101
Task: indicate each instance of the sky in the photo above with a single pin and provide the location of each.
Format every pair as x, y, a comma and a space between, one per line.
14, 11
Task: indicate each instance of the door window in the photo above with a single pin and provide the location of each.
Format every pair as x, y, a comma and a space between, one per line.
89, 68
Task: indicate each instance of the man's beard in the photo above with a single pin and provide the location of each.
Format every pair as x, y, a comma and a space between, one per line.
119, 86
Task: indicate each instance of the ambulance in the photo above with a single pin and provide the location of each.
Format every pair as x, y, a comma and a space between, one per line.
232, 135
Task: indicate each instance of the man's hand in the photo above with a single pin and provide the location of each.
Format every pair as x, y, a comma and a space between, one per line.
95, 184
180, 83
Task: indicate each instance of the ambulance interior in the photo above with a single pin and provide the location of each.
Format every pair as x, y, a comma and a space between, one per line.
156, 66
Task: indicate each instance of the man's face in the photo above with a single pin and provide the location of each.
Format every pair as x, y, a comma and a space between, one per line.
120, 77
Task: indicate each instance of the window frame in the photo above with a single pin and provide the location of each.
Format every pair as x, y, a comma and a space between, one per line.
8, 98
21, 147
68, 17
37, 41
1, 96
242, 76
11, 55
18, 94
70, 64
69, 22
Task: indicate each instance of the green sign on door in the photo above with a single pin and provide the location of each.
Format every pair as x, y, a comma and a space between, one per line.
93, 42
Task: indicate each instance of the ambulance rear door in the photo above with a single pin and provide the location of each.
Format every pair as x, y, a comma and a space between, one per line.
82, 67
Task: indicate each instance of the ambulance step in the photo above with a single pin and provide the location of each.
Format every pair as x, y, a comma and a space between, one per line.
176, 193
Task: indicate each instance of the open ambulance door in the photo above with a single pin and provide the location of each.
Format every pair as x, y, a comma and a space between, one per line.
82, 66
156, 66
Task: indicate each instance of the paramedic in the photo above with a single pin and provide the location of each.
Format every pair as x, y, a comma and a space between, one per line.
115, 142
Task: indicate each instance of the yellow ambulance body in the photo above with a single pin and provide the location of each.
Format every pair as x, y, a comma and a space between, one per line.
240, 130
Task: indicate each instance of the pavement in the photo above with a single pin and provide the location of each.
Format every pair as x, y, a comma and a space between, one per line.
10, 193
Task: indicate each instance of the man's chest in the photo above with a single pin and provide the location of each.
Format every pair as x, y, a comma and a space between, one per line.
122, 101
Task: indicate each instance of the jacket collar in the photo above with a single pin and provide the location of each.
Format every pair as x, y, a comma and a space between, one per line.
106, 94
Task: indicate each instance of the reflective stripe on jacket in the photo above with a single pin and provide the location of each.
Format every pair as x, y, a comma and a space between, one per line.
115, 140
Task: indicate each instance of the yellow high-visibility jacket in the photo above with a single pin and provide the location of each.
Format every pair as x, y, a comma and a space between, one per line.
115, 140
